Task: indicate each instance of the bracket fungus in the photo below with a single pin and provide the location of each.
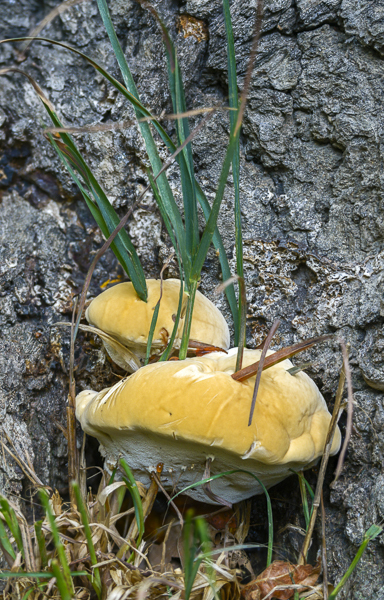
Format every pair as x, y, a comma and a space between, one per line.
183, 413
121, 315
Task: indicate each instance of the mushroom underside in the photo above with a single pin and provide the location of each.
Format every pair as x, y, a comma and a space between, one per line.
184, 464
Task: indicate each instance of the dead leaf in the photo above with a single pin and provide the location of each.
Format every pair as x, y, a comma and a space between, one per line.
278, 574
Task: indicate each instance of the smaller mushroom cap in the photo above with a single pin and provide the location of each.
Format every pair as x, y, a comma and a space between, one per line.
181, 413
119, 312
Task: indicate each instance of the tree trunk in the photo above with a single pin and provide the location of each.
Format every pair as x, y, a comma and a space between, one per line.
312, 198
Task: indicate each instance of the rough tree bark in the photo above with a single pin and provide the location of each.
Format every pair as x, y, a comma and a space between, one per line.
312, 197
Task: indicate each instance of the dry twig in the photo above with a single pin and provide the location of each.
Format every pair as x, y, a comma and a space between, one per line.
324, 462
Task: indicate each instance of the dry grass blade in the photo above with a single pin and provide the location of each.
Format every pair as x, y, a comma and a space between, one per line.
28, 471
126, 124
50, 16
202, 348
35, 86
118, 579
29, 556
148, 583
348, 431
252, 56
120, 354
91, 128
324, 463
279, 356
168, 497
148, 6
105, 492
261, 367
207, 486
297, 368
324, 549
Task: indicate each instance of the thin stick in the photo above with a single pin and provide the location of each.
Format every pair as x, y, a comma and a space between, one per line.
261, 366
252, 56
73, 455
324, 549
28, 470
83, 471
324, 463
348, 431
50, 16
168, 497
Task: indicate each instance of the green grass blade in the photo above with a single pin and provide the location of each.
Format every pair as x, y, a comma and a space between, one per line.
35, 575
188, 182
192, 576
96, 581
5, 544
171, 341
370, 535
234, 103
219, 246
153, 155
132, 488
12, 522
197, 530
185, 160
309, 489
203, 536
41, 544
152, 331
304, 499
188, 554
168, 226
90, 203
66, 592
57, 541
165, 218
188, 320
305, 487
269, 505
33, 589
178, 100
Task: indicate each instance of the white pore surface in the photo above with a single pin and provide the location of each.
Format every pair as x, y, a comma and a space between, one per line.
185, 465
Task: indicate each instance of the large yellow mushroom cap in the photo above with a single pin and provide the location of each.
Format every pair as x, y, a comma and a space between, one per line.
119, 312
183, 412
